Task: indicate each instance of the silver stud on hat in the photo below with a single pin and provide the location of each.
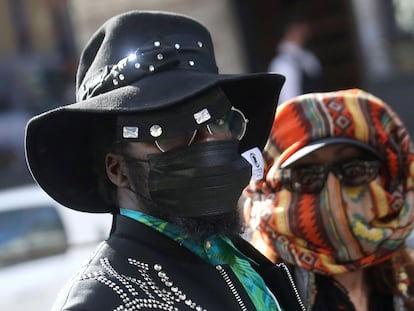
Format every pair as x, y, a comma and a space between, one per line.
132, 57
130, 132
191, 63
155, 130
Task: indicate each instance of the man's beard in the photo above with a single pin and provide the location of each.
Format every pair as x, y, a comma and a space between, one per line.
227, 224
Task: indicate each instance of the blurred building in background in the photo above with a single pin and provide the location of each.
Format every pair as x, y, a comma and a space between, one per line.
37, 58
361, 43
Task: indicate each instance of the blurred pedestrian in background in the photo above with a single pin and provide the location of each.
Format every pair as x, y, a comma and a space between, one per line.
337, 201
295, 61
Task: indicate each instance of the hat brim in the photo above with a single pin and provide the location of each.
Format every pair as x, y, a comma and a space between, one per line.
58, 142
316, 145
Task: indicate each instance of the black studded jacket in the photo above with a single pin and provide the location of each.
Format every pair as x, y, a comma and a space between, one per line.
139, 268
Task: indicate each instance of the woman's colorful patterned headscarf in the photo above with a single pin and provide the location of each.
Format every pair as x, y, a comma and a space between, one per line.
341, 228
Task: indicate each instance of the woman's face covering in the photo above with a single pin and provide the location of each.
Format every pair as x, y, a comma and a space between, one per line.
338, 229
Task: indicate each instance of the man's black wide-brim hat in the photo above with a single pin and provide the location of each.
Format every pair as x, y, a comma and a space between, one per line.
150, 64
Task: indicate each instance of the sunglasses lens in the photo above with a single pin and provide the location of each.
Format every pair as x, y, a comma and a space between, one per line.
309, 179
167, 144
359, 172
233, 122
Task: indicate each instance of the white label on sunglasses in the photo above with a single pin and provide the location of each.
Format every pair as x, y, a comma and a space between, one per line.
255, 158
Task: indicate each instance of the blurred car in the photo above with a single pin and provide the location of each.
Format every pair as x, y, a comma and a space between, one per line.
42, 244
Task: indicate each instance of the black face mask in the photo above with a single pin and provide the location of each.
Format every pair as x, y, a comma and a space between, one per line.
201, 180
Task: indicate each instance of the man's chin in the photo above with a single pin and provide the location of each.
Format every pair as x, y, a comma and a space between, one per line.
227, 224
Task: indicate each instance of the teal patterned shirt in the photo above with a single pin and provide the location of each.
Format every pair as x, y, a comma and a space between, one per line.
217, 250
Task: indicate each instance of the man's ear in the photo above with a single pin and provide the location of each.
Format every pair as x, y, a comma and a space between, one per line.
115, 170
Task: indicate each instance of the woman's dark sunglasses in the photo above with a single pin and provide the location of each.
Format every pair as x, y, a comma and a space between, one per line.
312, 178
